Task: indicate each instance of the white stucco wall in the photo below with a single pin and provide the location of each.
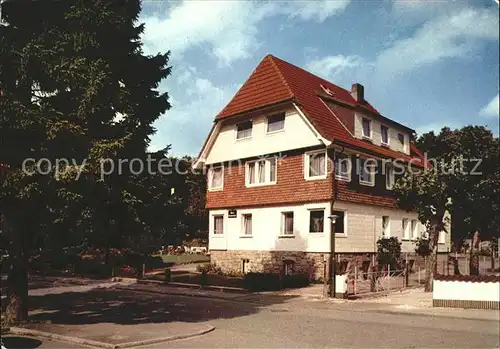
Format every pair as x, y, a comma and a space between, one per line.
266, 228
394, 143
296, 134
363, 227
466, 291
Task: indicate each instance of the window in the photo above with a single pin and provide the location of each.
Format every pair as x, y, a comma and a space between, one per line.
339, 226
247, 224
389, 176
414, 229
442, 237
316, 221
216, 178
366, 173
386, 226
244, 129
218, 225
384, 132
315, 165
405, 228
287, 223
342, 167
367, 128
288, 266
401, 139
261, 172
276, 123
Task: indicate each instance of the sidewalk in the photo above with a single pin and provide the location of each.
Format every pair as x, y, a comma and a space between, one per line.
417, 302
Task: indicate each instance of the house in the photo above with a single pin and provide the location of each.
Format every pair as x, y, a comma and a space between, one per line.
289, 150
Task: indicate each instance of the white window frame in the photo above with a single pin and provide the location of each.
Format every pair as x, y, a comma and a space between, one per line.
414, 229
242, 232
388, 135
405, 228
370, 122
344, 234
236, 130
267, 123
361, 169
214, 216
307, 155
389, 175
309, 220
210, 178
386, 231
346, 178
267, 172
283, 225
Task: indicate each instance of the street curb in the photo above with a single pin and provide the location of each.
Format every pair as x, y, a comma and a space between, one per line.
59, 337
393, 312
209, 328
95, 344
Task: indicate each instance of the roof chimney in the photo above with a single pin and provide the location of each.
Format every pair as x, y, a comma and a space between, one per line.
358, 92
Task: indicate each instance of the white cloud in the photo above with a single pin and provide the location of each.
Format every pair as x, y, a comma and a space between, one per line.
330, 66
491, 109
230, 28
442, 37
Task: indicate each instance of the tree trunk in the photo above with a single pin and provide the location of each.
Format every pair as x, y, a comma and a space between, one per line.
16, 311
474, 257
431, 265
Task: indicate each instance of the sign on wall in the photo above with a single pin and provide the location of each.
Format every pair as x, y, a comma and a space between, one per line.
231, 214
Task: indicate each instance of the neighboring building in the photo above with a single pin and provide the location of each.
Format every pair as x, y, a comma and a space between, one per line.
272, 184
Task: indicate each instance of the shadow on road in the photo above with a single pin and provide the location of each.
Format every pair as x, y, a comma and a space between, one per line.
123, 307
15, 342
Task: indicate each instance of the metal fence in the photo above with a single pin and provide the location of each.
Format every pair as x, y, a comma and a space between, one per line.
374, 281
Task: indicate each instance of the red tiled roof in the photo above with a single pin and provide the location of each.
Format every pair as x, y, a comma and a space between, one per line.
275, 81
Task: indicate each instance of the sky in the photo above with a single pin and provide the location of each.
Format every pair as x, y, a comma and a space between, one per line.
426, 64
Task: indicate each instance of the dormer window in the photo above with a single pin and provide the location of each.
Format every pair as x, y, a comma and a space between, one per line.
327, 90
244, 130
367, 128
276, 123
384, 133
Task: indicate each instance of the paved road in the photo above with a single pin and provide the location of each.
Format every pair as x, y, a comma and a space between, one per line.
273, 322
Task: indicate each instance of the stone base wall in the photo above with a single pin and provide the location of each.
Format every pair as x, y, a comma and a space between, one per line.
455, 303
308, 263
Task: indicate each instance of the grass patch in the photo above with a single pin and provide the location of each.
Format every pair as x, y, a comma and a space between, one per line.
173, 259
195, 278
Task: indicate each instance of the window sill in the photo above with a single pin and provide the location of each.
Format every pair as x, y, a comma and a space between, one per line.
246, 236
217, 236
260, 184
366, 138
405, 239
340, 235
311, 233
388, 188
385, 145
283, 236
216, 189
275, 132
243, 139
343, 179
315, 178
368, 184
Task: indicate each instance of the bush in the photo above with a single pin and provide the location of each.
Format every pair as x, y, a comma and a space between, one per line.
295, 281
262, 282
422, 247
209, 269
389, 252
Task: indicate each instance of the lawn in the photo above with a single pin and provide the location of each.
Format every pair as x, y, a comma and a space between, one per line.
176, 259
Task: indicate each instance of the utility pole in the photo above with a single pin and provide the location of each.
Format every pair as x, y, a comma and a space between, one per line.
333, 263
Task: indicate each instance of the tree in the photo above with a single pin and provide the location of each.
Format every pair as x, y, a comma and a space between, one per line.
67, 70
453, 181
